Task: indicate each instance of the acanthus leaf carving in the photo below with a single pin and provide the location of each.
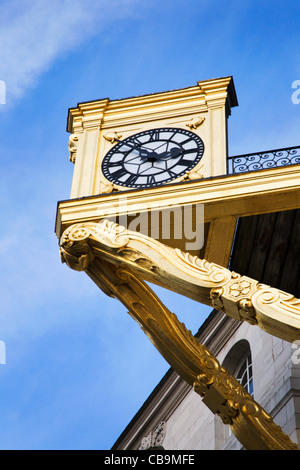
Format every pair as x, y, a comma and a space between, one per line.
109, 233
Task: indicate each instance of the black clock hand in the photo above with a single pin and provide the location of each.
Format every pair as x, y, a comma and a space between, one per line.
174, 152
143, 152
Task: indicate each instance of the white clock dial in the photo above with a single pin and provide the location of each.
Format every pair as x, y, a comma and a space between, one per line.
152, 158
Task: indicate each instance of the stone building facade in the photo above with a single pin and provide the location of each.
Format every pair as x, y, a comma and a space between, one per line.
174, 417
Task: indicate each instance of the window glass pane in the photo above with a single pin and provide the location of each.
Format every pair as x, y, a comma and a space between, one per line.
244, 374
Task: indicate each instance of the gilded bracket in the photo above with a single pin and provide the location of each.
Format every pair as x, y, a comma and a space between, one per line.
117, 260
240, 297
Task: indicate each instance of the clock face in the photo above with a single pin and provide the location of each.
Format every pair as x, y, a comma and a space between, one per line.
152, 158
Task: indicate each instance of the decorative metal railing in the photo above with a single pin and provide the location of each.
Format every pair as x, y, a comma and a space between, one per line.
264, 160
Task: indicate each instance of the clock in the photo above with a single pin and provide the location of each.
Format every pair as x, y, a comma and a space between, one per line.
152, 158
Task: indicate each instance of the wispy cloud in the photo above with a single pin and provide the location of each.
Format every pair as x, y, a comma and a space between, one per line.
34, 33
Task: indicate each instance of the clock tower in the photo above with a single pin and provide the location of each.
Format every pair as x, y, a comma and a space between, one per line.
152, 140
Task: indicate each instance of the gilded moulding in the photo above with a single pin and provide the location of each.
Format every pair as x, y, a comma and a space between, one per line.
220, 392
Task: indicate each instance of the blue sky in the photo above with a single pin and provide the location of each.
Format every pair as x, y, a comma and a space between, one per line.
77, 366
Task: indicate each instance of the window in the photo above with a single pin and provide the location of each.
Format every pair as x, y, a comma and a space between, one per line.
244, 374
238, 362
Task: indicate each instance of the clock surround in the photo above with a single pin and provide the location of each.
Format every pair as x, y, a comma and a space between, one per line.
152, 157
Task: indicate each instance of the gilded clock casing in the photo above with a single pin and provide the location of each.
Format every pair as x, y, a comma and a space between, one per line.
94, 127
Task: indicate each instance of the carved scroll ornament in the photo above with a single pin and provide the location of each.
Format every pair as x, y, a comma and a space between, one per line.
72, 146
240, 297
117, 260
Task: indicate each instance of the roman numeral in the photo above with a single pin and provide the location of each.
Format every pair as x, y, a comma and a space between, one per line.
172, 175
118, 173
185, 162
154, 135
135, 141
151, 180
172, 136
186, 141
131, 180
